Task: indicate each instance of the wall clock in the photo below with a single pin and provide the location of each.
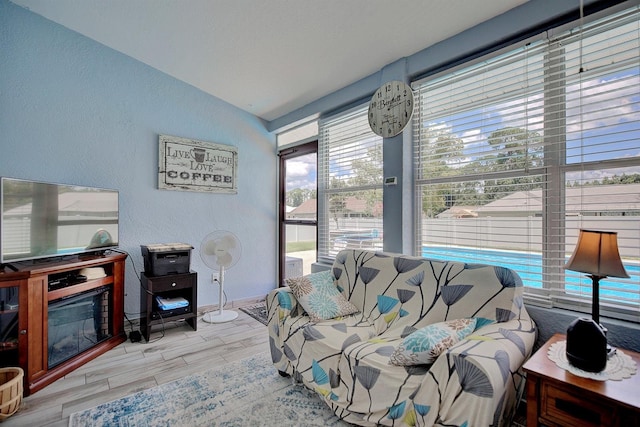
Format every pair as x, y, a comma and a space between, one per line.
390, 108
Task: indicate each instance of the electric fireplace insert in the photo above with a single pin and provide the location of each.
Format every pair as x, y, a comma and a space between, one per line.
77, 323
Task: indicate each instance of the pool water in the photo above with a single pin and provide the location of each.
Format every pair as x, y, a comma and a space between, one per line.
529, 268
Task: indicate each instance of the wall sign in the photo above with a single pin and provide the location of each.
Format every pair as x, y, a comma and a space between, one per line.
190, 165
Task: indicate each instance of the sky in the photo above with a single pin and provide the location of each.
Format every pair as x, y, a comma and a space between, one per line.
602, 106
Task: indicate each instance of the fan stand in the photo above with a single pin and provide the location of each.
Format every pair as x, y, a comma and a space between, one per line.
220, 316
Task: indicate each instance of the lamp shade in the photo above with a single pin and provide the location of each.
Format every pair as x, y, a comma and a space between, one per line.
597, 254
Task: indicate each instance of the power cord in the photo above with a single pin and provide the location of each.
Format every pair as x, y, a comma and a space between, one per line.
224, 293
135, 335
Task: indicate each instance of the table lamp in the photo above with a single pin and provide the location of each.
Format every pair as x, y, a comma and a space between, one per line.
597, 255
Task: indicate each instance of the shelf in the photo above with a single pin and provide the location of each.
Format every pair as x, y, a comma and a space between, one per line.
173, 285
79, 287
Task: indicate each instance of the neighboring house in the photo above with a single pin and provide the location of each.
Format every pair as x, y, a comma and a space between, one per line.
353, 208
461, 211
307, 209
602, 200
358, 208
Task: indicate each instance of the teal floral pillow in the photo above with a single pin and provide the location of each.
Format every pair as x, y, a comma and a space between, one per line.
426, 344
319, 296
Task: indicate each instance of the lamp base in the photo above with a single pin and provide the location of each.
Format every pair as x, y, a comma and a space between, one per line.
587, 347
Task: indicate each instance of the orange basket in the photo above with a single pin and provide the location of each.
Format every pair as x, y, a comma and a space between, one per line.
10, 391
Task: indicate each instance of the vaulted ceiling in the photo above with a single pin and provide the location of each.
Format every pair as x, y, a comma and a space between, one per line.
268, 57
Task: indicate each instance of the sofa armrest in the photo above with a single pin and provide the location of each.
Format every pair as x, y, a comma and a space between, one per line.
281, 304
483, 372
516, 337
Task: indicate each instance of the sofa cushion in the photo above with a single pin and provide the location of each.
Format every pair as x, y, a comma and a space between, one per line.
319, 296
426, 344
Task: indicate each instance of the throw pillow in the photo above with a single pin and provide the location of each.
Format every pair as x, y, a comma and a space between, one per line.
426, 344
319, 296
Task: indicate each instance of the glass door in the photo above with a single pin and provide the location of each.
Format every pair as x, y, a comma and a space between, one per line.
9, 325
298, 210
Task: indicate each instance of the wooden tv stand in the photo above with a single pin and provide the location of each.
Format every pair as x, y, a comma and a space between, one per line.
29, 343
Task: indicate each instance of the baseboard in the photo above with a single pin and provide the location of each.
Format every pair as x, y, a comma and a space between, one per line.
231, 304
135, 323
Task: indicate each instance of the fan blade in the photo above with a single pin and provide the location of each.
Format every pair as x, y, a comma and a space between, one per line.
209, 248
229, 242
225, 259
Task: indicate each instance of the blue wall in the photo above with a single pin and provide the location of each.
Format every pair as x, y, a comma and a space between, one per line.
75, 111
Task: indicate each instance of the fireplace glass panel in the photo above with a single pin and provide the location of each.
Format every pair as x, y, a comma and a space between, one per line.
77, 323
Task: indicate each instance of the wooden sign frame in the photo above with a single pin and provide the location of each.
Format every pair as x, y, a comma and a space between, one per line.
192, 165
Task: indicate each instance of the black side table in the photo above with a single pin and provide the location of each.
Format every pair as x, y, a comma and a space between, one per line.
170, 286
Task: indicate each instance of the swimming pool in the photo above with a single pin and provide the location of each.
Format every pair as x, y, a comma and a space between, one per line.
529, 267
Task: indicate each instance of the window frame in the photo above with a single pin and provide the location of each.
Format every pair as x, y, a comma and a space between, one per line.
555, 171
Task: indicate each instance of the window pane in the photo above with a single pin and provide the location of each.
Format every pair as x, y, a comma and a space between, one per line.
300, 250
609, 200
301, 133
355, 220
301, 187
350, 184
516, 153
299, 228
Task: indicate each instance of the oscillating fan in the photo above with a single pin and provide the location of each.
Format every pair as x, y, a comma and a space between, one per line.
220, 251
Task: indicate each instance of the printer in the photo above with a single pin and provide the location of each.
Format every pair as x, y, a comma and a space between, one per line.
161, 259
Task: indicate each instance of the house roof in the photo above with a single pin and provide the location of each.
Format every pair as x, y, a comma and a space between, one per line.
597, 198
307, 207
351, 204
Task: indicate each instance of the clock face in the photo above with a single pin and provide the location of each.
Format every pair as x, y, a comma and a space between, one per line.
390, 108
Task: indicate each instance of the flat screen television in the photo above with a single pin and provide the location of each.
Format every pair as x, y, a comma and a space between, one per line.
43, 220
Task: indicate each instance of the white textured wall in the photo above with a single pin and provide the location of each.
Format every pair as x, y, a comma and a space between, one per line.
74, 111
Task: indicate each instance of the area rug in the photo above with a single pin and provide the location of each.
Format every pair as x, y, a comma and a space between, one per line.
248, 392
257, 311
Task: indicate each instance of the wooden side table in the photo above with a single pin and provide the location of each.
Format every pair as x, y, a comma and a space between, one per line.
556, 397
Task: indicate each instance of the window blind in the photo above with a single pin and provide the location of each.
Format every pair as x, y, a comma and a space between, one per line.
517, 152
349, 184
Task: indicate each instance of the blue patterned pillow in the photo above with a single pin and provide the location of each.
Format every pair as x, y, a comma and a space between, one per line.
426, 344
319, 296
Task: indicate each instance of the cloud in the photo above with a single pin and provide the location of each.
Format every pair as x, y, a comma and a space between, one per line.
603, 102
296, 168
301, 173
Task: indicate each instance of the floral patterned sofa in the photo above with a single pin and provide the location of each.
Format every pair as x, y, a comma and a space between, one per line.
361, 364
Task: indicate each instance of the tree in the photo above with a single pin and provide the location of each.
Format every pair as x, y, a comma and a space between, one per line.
368, 171
337, 201
444, 153
513, 149
298, 196
295, 197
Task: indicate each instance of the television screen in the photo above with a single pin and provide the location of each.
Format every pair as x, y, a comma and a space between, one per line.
42, 220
